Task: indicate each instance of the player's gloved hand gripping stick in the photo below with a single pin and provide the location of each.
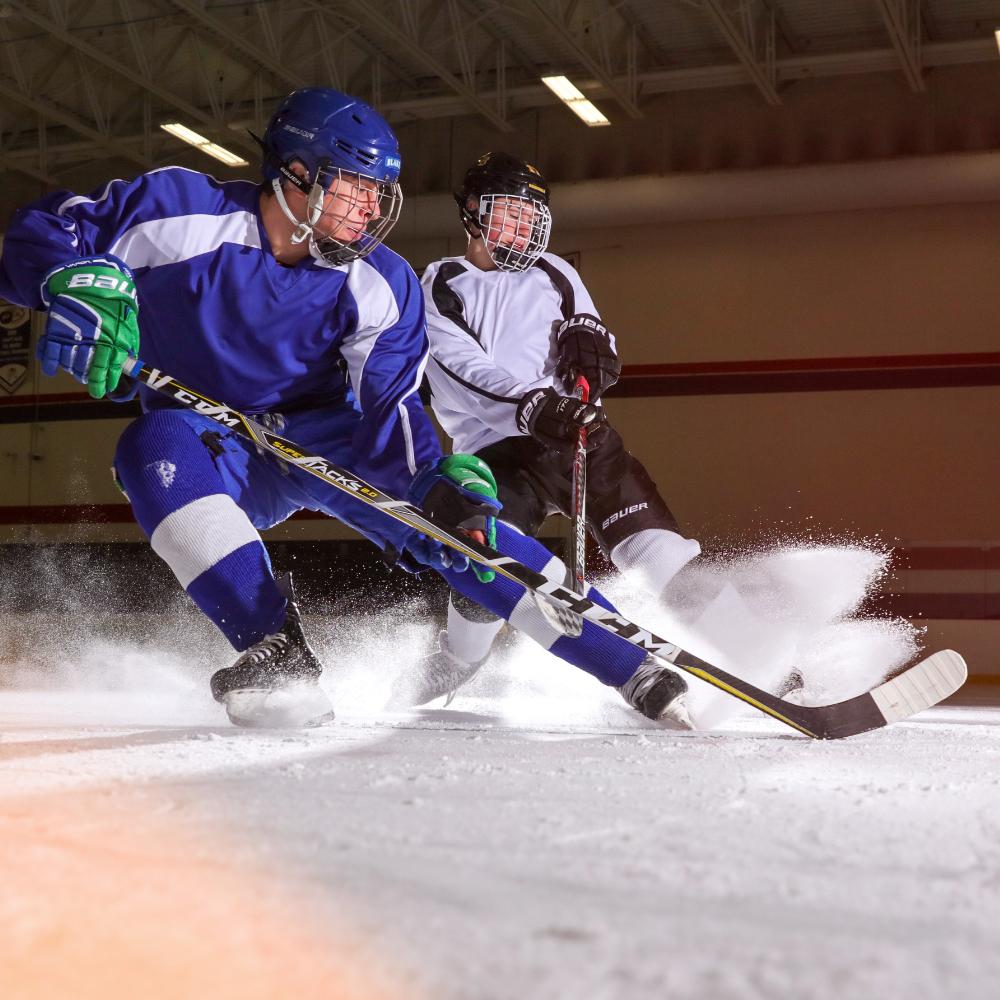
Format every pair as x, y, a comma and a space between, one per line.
922, 685
459, 490
91, 323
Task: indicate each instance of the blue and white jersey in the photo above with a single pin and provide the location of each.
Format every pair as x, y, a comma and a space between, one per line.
218, 312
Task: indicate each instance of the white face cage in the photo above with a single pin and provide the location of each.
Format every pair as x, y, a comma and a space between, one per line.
515, 229
347, 214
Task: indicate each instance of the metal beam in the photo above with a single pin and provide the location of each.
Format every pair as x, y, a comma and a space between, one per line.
329, 63
481, 13
642, 33
354, 36
240, 43
19, 168
520, 96
52, 113
560, 27
378, 22
74, 41
133, 36
741, 38
731, 74
902, 21
792, 42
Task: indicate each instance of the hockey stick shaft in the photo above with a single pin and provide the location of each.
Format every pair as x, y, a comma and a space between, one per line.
578, 511
847, 718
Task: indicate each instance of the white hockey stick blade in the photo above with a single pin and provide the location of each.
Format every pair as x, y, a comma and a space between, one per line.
926, 684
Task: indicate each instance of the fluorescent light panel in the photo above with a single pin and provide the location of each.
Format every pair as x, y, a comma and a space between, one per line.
571, 96
191, 137
996, 35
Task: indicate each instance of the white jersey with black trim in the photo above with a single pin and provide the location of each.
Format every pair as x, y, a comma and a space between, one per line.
492, 339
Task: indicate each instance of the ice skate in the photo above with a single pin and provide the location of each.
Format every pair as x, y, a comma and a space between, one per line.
438, 675
658, 693
275, 683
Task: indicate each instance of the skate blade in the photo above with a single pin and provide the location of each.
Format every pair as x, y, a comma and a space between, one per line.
677, 714
402, 701
294, 706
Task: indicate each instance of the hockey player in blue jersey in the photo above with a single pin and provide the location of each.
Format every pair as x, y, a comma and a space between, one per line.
282, 300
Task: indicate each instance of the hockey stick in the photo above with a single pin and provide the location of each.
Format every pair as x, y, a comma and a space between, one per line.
578, 510
921, 686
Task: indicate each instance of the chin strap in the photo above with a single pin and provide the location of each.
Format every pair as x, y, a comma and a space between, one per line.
303, 229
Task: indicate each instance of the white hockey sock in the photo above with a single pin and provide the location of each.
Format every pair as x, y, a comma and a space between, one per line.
469, 640
654, 556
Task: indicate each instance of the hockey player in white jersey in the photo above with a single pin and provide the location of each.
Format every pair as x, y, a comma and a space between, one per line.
510, 328
280, 299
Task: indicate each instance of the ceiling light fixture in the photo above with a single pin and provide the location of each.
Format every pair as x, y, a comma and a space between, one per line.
187, 135
575, 101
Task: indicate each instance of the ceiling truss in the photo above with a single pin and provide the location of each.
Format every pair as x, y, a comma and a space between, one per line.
903, 23
92, 79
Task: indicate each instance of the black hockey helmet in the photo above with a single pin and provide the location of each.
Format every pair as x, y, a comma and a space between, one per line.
499, 175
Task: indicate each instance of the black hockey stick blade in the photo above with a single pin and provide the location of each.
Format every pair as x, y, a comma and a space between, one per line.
924, 684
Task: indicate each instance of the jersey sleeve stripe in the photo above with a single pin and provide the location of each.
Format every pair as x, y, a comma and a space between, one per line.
377, 312
562, 286
170, 241
446, 299
513, 400
404, 420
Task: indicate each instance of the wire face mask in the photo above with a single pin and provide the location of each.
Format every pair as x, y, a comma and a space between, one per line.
515, 229
356, 212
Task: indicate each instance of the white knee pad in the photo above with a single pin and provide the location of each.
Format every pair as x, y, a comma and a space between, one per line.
654, 556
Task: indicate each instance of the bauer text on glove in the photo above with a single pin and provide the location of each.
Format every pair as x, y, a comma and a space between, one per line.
584, 347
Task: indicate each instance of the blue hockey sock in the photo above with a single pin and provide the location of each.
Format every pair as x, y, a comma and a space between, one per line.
180, 501
609, 658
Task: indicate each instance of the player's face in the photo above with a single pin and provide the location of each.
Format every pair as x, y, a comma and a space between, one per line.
350, 204
510, 223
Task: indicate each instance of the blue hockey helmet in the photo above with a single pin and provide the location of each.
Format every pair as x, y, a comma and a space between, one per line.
318, 124
340, 140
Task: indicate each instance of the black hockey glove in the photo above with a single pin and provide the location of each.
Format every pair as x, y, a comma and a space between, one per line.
584, 348
556, 420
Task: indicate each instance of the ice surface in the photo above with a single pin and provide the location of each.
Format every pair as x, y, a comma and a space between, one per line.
536, 840
455, 855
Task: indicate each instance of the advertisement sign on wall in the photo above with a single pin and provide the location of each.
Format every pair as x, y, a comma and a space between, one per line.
15, 345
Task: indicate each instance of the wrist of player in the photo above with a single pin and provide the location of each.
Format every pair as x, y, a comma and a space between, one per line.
91, 326
556, 421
